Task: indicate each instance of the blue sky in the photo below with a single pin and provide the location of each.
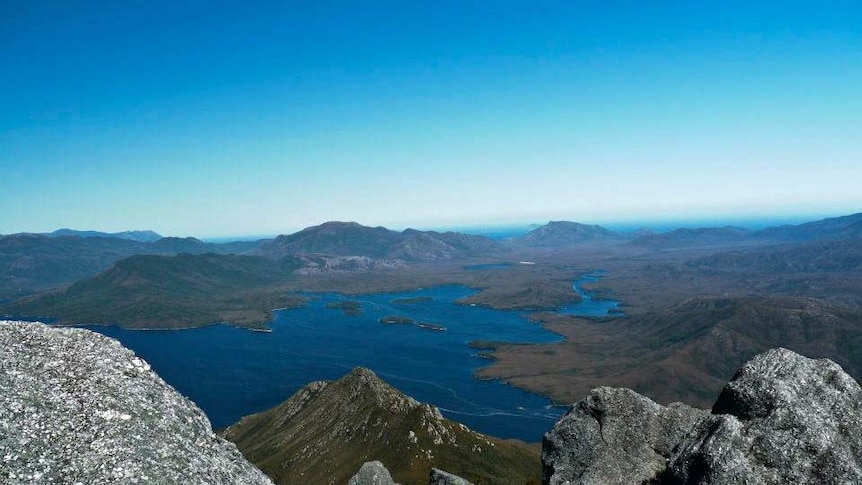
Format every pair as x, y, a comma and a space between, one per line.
214, 118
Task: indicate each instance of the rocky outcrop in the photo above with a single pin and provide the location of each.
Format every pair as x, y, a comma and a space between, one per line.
372, 473
439, 477
614, 436
783, 418
77, 407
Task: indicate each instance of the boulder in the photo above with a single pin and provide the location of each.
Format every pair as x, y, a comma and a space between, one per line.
614, 436
372, 473
783, 418
78, 407
439, 477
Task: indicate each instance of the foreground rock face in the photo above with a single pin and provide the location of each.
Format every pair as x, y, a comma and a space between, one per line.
783, 418
77, 407
614, 436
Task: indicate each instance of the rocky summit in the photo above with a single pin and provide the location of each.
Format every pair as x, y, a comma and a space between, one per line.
783, 418
76, 407
327, 431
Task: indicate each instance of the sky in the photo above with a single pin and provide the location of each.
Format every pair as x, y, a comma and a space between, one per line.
220, 118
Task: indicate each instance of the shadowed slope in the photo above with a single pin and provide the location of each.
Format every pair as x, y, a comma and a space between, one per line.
30, 263
170, 292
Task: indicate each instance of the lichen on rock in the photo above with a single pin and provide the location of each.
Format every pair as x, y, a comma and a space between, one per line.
78, 407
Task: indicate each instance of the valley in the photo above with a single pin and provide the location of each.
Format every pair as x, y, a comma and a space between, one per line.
674, 313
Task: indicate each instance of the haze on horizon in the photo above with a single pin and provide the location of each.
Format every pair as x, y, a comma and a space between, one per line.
213, 119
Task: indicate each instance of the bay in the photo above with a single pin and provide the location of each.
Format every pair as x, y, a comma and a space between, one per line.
231, 372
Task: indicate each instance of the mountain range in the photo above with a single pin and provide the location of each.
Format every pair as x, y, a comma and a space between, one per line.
698, 303
139, 236
564, 233
148, 291
820, 253
352, 239
831, 229
30, 263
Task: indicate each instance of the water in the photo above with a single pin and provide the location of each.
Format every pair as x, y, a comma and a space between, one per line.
589, 306
231, 372
487, 266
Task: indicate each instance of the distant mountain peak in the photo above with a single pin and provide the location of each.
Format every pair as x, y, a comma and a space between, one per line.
564, 233
643, 231
335, 238
340, 224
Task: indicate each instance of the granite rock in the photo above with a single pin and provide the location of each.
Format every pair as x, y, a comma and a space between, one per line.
439, 477
614, 436
77, 407
372, 473
783, 418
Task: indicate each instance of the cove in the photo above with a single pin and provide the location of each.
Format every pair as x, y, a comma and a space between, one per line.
231, 372
590, 306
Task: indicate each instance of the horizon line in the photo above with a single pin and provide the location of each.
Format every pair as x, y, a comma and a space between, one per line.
623, 225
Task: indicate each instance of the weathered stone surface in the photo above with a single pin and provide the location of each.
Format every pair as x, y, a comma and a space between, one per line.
439, 477
77, 407
783, 418
614, 436
372, 473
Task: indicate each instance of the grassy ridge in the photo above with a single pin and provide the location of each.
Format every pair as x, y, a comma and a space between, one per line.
168, 292
30, 263
325, 431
